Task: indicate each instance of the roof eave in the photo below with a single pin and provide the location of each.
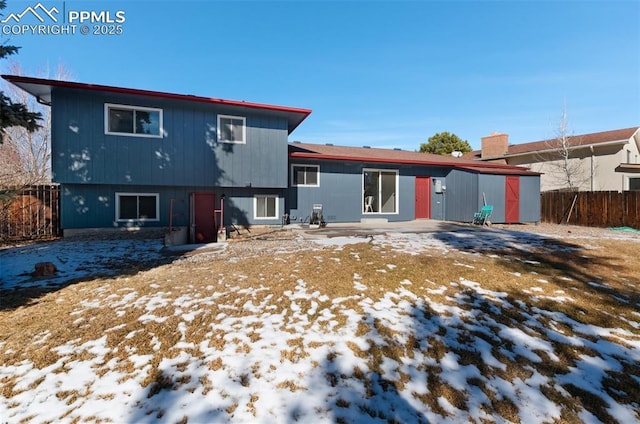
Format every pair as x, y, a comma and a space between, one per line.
295, 116
630, 168
555, 149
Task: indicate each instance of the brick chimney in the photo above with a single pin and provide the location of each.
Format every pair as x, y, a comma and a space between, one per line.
495, 145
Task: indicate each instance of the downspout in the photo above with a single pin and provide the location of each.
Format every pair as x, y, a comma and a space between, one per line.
593, 166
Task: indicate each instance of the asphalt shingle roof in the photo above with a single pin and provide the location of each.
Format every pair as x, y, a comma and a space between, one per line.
574, 141
393, 156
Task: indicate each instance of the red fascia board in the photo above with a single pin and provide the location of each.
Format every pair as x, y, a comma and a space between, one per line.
159, 94
135, 91
499, 171
362, 159
468, 166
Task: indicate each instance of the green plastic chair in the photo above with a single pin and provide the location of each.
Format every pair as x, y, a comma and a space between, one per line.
480, 218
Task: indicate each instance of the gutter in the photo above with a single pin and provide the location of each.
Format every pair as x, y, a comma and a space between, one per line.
555, 149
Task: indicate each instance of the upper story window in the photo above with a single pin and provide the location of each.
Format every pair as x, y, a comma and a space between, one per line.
132, 120
305, 175
232, 129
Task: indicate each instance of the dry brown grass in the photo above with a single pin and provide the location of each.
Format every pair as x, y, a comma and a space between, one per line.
600, 278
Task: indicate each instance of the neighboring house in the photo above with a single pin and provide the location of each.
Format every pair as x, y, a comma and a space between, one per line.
361, 183
128, 158
608, 160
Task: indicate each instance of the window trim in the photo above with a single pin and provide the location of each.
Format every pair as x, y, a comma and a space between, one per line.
397, 189
294, 165
108, 106
244, 129
118, 194
255, 207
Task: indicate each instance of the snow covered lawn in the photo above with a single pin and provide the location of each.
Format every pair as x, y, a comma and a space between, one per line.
468, 326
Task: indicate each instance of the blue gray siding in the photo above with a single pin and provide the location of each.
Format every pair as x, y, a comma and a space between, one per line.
529, 198
186, 155
493, 188
93, 205
462, 199
340, 192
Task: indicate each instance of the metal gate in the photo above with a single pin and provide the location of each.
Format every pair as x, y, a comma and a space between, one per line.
30, 213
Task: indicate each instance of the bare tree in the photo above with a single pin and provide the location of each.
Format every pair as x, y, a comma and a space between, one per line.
562, 159
25, 156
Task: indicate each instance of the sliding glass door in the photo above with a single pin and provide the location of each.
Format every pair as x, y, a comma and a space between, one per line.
380, 191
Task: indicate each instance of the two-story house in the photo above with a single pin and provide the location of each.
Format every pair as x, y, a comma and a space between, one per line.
130, 159
602, 161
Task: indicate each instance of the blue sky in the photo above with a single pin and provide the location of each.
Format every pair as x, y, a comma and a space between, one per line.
385, 74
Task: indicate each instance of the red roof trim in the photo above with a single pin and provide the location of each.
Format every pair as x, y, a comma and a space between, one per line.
150, 93
468, 166
293, 122
499, 171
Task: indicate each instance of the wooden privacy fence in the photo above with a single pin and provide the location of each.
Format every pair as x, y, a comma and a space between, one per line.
592, 208
30, 212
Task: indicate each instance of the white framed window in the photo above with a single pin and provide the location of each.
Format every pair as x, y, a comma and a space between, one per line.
232, 129
380, 191
132, 120
137, 207
305, 175
634, 183
265, 206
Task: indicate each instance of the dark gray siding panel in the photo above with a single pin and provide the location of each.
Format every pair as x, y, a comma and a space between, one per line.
93, 206
340, 192
461, 196
529, 198
239, 205
186, 155
493, 187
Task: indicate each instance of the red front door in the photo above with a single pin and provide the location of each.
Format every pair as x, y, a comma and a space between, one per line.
512, 200
202, 221
423, 197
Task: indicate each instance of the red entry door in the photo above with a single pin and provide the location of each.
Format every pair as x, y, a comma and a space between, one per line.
202, 219
512, 200
423, 197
